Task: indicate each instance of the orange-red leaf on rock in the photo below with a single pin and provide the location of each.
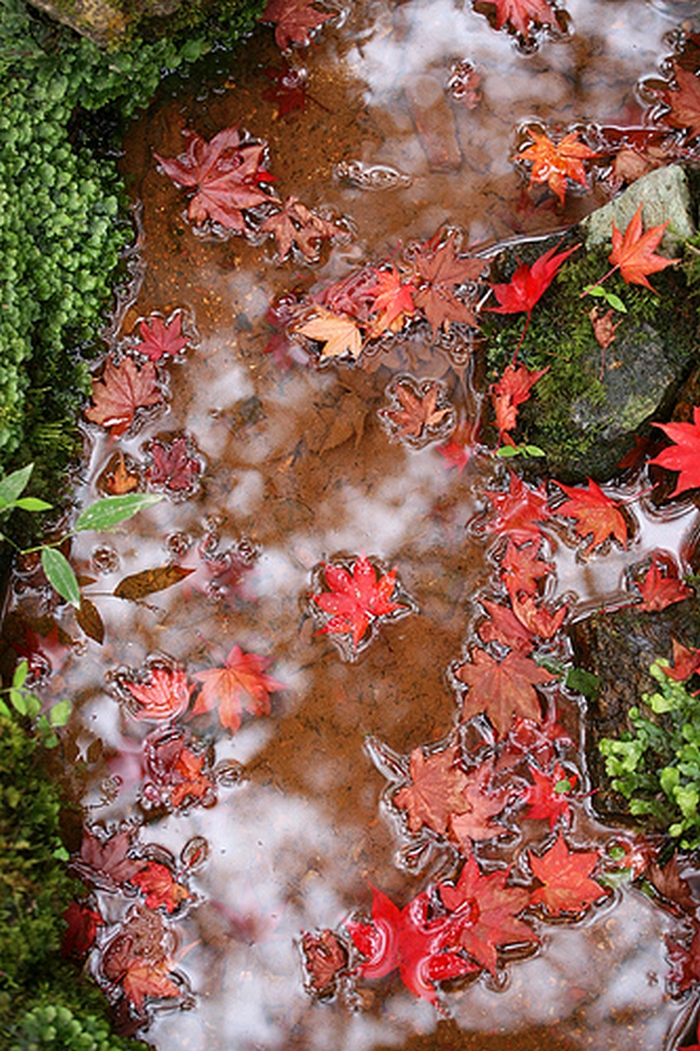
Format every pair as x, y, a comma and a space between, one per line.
662, 586
512, 389
684, 454
634, 252
529, 283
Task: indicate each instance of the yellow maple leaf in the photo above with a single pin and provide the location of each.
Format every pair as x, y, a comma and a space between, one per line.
339, 334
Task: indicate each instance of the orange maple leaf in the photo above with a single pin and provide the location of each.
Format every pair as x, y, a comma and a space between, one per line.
596, 514
662, 586
416, 413
240, 685
553, 162
393, 301
512, 389
502, 689
633, 254
565, 877
435, 791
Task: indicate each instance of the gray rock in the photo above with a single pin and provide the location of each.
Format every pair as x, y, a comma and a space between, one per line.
665, 194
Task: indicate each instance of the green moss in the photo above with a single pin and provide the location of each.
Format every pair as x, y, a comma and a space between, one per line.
44, 1001
571, 407
63, 216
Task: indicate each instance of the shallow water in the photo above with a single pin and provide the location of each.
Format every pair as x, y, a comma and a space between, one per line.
293, 846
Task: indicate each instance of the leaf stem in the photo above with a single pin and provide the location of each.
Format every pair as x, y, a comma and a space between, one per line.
600, 282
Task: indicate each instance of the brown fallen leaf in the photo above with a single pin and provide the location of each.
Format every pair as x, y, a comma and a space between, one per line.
339, 335
148, 581
416, 413
604, 328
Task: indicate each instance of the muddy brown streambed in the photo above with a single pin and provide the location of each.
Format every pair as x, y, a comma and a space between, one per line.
283, 466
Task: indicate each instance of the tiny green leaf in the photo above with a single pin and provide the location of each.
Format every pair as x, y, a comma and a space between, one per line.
20, 674
32, 503
60, 575
596, 290
4, 710
582, 681
60, 713
563, 786
506, 451
534, 450
616, 303
61, 853
13, 485
108, 512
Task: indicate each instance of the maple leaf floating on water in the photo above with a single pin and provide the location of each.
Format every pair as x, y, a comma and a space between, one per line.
164, 694
136, 961
555, 163
661, 586
565, 877
173, 467
597, 515
518, 511
159, 887
684, 101
294, 21
437, 272
392, 301
684, 455
502, 689
358, 599
460, 447
417, 415
325, 959
82, 923
548, 797
338, 334
633, 254
484, 912
108, 861
296, 224
177, 774
225, 174
407, 940
288, 89
120, 391
521, 14
240, 685
161, 338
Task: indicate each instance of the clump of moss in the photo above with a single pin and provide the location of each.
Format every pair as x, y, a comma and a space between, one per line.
44, 1001
569, 412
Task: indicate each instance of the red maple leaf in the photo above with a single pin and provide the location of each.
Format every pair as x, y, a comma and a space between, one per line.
548, 798
357, 599
521, 13
504, 627
522, 568
502, 689
686, 662
297, 224
518, 510
485, 912
177, 773
288, 89
684, 101
537, 618
529, 283
662, 586
241, 684
393, 301
436, 789
597, 515
173, 467
406, 939
459, 450
159, 886
81, 928
159, 338
481, 802
164, 694
437, 272
106, 860
137, 959
555, 163
564, 875
142, 978
633, 255
120, 391
294, 20
512, 390
225, 175
325, 958
684, 455
530, 740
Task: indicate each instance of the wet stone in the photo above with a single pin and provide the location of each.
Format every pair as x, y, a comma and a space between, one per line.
619, 648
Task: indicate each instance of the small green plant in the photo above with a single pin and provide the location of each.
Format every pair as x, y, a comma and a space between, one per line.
103, 514
609, 297
507, 452
656, 765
